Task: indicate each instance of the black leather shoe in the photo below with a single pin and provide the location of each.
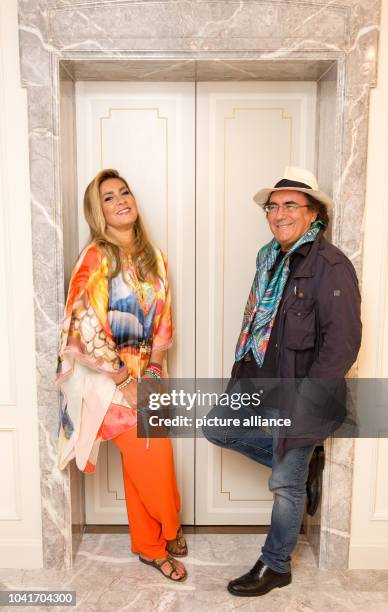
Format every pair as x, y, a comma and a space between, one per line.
260, 580
314, 480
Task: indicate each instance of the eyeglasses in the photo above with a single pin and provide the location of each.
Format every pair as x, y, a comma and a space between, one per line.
288, 207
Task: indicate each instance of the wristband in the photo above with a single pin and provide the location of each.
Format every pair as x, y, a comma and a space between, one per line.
153, 365
153, 370
125, 382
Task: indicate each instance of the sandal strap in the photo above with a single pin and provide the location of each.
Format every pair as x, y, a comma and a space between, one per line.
177, 541
168, 559
162, 560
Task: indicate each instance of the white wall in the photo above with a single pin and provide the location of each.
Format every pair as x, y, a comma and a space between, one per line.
369, 531
20, 509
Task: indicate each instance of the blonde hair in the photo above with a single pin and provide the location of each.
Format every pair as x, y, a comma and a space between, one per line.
143, 255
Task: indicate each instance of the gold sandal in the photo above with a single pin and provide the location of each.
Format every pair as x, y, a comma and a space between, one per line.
178, 546
158, 563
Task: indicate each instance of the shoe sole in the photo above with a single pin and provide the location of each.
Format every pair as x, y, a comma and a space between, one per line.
278, 586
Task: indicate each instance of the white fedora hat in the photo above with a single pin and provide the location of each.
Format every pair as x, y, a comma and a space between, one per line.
295, 179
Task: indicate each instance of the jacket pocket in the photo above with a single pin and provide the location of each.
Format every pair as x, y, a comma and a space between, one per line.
299, 332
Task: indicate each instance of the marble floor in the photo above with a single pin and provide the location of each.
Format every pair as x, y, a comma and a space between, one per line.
108, 578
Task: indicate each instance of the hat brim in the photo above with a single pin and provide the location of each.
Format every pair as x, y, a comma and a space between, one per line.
261, 197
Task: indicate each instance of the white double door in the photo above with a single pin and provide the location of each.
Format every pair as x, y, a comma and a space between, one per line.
194, 155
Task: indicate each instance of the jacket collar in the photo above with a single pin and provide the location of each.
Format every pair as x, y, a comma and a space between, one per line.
307, 267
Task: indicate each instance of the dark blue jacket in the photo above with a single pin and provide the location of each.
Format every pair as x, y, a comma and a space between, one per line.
319, 331
319, 336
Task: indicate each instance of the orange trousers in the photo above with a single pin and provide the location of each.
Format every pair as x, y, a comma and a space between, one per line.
151, 492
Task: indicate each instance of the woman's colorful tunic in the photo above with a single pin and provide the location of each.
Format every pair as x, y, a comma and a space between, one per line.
108, 324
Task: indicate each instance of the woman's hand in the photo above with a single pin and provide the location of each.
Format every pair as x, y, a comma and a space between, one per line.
148, 385
130, 393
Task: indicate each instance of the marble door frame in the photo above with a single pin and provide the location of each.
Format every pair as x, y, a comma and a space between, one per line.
282, 34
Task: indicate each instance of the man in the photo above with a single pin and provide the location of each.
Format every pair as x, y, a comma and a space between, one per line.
301, 321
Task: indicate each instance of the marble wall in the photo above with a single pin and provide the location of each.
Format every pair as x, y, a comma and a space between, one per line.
328, 139
196, 70
68, 160
69, 195
88, 32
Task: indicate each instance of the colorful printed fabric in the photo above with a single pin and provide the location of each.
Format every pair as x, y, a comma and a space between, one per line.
264, 297
109, 325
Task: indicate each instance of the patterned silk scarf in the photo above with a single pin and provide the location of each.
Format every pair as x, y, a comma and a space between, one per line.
264, 298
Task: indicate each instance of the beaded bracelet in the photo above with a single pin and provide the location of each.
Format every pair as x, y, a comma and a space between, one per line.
151, 373
153, 370
156, 367
125, 382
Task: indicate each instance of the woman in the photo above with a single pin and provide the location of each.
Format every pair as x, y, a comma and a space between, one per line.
116, 330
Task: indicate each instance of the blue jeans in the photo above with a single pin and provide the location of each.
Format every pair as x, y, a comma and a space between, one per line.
287, 481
